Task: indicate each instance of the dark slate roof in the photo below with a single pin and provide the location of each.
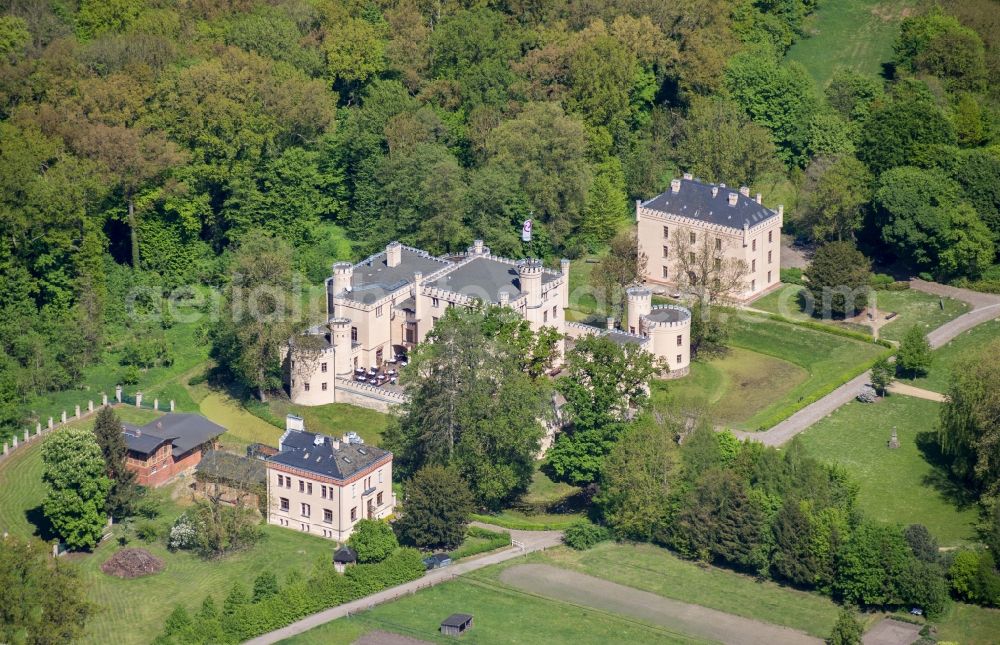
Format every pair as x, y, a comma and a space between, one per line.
141, 442
456, 620
668, 314
185, 431
373, 279
300, 450
623, 338
695, 200
485, 278
345, 555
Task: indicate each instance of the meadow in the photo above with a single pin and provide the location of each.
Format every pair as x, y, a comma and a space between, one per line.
902, 486
967, 345
856, 34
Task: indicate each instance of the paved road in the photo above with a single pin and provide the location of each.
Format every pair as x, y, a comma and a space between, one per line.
532, 541
692, 620
985, 307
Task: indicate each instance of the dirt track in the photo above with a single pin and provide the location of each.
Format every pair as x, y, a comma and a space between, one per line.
694, 620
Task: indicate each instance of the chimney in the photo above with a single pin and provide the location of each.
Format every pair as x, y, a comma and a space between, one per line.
745, 191
688, 176
293, 422
758, 198
721, 185
675, 185
504, 298
733, 198
335, 444
318, 440
611, 323
715, 191
393, 254
781, 210
345, 439
138, 432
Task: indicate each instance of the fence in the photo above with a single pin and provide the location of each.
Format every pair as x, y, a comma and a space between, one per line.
26, 436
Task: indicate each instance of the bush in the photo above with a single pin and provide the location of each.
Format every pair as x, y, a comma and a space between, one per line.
583, 535
373, 540
974, 578
147, 531
899, 285
131, 375
494, 540
792, 275
881, 281
182, 534
926, 276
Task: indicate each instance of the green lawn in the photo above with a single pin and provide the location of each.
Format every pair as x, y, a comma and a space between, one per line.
969, 625
735, 386
970, 343
657, 570
911, 308
333, 419
502, 615
547, 505
850, 33
582, 303
132, 611
900, 486
21, 488
774, 369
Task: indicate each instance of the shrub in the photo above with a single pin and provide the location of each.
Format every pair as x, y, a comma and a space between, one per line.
583, 535
373, 540
182, 534
881, 281
974, 578
792, 275
131, 375
494, 540
926, 276
147, 531
899, 285
847, 630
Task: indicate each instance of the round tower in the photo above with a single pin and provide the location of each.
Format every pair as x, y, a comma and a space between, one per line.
669, 330
640, 301
342, 274
529, 273
340, 339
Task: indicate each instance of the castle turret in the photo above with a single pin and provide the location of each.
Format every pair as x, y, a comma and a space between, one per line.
564, 265
640, 301
340, 338
529, 273
669, 330
342, 274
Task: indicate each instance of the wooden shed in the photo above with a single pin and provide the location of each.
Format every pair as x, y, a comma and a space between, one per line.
344, 557
456, 624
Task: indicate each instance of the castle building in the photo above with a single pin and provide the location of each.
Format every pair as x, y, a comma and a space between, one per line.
324, 485
694, 216
385, 305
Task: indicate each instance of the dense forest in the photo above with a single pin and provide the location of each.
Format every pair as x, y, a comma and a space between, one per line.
141, 141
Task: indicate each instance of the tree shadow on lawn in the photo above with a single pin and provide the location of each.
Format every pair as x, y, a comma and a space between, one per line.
43, 527
941, 478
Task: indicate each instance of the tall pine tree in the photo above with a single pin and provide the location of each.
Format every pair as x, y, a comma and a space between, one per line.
108, 432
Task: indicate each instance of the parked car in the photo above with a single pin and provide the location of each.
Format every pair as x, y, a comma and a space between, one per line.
917, 611
437, 561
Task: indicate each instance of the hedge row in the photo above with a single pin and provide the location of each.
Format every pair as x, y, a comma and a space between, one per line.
297, 598
791, 408
831, 329
494, 540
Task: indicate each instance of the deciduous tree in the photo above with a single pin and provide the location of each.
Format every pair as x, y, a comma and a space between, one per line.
77, 487
914, 355
373, 540
839, 279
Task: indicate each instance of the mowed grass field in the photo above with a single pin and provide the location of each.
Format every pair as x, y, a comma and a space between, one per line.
501, 615
911, 308
902, 486
970, 344
772, 370
858, 34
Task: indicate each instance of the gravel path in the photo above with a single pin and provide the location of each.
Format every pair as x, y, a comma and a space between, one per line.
693, 620
985, 307
532, 541
918, 392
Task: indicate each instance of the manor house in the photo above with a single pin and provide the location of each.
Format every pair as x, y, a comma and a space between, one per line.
693, 217
383, 306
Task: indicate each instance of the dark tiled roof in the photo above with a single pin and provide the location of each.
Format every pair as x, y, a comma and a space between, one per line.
623, 338
695, 200
668, 314
300, 450
373, 279
186, 431
345, 555
485, 278
456, 620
